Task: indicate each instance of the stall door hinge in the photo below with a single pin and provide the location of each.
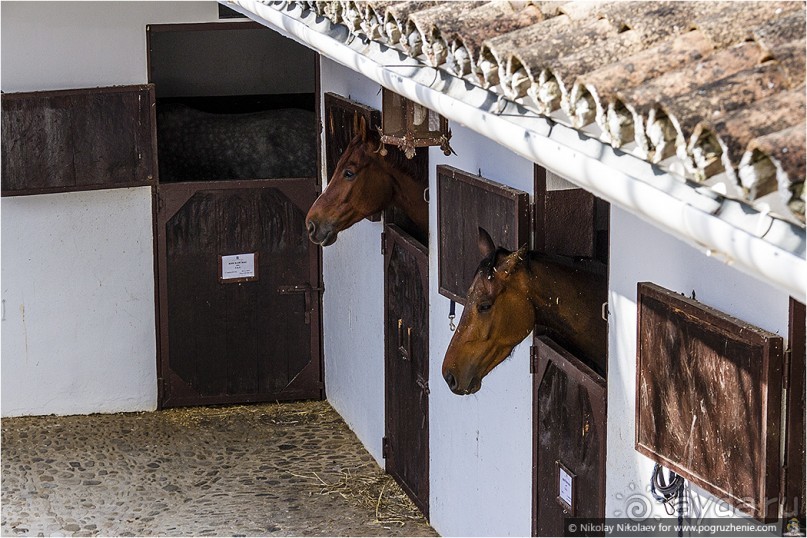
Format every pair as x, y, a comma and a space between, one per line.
383, 243
384, 447
533, 359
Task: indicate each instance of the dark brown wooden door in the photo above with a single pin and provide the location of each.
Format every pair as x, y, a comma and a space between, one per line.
406, 336
568, 439
232, 333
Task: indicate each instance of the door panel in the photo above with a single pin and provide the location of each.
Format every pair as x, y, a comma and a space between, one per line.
406, 322
80, 139
568, 440
242, 339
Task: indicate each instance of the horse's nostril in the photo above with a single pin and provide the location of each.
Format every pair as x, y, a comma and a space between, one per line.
451, 380
312, 227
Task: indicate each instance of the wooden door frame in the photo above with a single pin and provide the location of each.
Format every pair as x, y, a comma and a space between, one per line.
585, 375
159, 316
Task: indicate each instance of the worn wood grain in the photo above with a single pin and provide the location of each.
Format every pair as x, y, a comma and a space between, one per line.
708, 398
406, 360
569, 426
501, 210
66, 140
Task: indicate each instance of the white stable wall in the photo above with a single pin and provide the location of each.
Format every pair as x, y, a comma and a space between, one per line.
639, 253
78, 329
481, 445
481, 448
57, 45
353, 302
78, 298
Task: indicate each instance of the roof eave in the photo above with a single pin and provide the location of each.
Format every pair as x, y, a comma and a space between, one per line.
755, 242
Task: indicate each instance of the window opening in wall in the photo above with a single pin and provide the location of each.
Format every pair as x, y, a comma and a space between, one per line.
235, 100
571, 223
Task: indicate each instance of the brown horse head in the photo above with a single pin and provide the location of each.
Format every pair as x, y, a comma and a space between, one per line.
510, 294
361, 185
498, 315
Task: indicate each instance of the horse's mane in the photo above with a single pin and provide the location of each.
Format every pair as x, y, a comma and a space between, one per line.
487, 265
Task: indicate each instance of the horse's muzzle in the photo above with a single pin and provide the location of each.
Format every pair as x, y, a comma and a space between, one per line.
474, 385
321, 235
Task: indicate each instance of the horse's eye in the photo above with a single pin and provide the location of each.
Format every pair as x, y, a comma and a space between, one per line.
349, 174
484, 307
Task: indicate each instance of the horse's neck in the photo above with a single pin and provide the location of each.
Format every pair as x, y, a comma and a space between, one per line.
409, 198
545, 280
568, 300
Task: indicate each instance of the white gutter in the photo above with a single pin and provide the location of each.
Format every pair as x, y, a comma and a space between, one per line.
767, 248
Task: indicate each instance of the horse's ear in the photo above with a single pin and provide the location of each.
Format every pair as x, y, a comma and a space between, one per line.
355, 123
362, 130
486, 245
511, 262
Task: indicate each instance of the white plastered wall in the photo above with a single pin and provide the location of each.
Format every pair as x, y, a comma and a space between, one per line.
78, 298
475, 490
640, 252
353, 302
78, 329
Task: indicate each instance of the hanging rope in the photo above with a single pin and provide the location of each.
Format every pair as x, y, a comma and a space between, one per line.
452, 308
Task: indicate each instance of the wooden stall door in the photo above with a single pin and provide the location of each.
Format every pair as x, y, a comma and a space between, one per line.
256, 335
406, 336
569, 403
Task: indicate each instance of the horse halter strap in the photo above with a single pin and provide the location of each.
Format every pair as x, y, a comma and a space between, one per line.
452, 309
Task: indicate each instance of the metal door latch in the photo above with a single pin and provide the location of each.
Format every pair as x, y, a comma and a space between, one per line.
305, 289
405, 351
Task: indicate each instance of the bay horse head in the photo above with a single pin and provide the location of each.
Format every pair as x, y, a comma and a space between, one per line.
367, 179
510, 293
497, 316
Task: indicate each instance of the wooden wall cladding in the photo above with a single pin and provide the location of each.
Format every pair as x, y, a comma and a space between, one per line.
464, 203
708, 399
67, 140
340, 113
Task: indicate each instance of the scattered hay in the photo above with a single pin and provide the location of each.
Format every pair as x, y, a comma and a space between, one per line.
371, 489
280, 414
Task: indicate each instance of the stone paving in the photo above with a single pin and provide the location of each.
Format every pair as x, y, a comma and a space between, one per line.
264, 470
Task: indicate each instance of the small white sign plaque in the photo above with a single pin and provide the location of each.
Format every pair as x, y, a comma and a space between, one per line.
565, 486
238, 266
565, 480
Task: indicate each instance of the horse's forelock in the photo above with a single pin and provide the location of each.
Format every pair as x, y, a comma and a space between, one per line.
488, 265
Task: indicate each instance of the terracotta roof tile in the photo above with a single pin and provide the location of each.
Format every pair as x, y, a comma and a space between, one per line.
724, 141
728, 23
713, 85
596, 90
464, 35
777, 161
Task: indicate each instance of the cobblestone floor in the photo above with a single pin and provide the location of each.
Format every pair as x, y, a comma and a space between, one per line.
275, 469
